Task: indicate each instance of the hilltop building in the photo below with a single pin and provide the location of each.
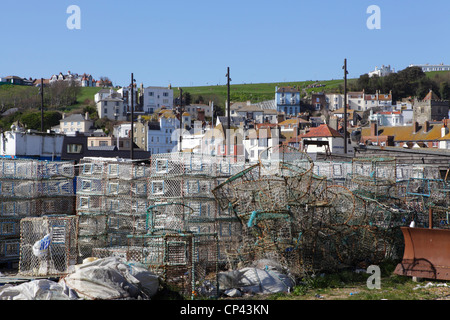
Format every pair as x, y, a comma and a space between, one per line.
432, 67
381, 72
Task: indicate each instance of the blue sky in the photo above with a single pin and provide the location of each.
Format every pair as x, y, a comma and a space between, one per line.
190, 43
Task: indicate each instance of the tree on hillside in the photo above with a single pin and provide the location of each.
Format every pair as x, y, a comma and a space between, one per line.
105, 82
62, 93
93, 115
444, 90
411, 81
33, 119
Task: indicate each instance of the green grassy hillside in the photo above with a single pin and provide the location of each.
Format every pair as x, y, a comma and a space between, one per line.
256, 92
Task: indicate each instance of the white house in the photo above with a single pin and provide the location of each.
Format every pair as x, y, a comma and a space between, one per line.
255, 113
122, 130
153, 98
360, 100
157, 136
378, 100
103, 93
111, 108
387, 118
381, 72
444, 140
76, 122
432, 67
258, 140
19, 143
193, 140
163, 138
334, 101
324, 139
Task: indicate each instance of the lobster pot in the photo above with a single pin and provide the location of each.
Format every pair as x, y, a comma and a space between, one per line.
55, 169
112, 169
29, 169
56, 187
48, 245
184, 261
20, 189
9, 228
55, 205
18, 169
90, 204
125, 205
228, 229
119, 252
126, 171
167, 216
179, 163
86, 245
90, 186
18, 208
135, 188
120, 226
92, 224
335, 172
9, 250
92, 233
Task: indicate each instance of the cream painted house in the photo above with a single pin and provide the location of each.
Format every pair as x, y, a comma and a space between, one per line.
76, 122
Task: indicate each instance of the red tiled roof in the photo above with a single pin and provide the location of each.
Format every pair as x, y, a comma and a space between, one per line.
323, 130
431, 96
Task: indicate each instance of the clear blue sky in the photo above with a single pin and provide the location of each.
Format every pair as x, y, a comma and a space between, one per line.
188, 43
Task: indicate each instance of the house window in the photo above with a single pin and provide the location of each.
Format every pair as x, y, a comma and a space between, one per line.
105, 110
165, 94
74, 148
150, 94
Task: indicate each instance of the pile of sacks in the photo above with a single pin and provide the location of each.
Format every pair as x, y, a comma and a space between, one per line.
95, 279
263, 277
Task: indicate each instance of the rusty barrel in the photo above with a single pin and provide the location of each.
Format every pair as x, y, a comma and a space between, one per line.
426, 254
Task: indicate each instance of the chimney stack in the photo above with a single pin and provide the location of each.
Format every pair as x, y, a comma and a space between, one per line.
374, 129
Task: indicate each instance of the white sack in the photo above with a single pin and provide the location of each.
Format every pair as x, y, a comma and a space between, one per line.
255, 280
110, 278
34, 290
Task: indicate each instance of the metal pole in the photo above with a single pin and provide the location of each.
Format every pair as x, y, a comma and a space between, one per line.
345, 106
430, 218
132, 118
181, 119
42, 105
228, 112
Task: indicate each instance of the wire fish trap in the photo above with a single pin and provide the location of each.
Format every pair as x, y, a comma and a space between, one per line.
48, 245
